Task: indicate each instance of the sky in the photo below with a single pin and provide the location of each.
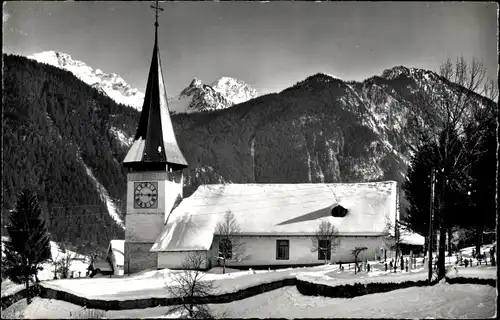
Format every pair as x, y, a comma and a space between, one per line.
269, 45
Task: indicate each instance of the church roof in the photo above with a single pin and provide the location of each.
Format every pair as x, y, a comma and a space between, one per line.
278, 209
155, 141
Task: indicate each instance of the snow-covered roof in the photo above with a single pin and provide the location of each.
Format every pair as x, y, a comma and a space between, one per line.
280, 209
411, 238
118, 248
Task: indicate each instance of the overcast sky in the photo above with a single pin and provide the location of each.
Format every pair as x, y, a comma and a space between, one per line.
268, 45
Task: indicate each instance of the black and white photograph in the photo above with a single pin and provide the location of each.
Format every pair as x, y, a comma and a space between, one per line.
249, 159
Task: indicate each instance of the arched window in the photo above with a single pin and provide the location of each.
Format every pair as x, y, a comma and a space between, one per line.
339, 211
225, 249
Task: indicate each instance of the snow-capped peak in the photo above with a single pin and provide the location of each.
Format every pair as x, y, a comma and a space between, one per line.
110, 83
221, 94
234, 90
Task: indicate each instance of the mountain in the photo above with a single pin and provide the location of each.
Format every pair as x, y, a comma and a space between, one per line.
221, 94
110, 84
68, 140
234, 90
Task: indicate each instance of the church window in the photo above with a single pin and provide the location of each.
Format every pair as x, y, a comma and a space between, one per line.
282, 249
339, 211
225, 249
325, 248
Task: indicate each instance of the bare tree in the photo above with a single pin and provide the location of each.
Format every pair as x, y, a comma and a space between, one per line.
450, 114
392, 241
63, 265
325, 240
355, 253
188, 286
230, 246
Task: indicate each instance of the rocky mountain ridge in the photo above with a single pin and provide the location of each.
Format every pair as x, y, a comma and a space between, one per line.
222, 93
110, 84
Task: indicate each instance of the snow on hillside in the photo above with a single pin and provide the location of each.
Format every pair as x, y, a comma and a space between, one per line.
110, 83
79, 262
112, 208
121, 136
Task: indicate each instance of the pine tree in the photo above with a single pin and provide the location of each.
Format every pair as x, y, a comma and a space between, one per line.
29, 244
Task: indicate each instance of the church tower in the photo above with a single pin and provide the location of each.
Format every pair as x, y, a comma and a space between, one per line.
154, 178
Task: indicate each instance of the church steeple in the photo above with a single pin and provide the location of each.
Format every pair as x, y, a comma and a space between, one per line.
155, 146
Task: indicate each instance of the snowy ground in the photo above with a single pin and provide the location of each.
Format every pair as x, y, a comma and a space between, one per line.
459, 301
440, 301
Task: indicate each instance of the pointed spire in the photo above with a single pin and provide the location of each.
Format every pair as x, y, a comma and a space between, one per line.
155, 145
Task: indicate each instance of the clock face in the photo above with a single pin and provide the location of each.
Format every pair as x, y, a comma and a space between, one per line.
145, 194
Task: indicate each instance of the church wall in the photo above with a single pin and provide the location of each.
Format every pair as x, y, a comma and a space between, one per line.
261, 250
143, 227
174, 259
137, 257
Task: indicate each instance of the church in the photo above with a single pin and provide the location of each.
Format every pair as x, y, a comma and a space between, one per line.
276, 221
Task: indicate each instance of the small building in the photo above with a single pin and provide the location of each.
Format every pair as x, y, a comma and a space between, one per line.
278, 221
100, 266
411, 242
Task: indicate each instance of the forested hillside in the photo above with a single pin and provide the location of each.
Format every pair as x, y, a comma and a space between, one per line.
54, 125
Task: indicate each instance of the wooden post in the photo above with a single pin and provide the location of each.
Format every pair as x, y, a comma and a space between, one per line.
431, 219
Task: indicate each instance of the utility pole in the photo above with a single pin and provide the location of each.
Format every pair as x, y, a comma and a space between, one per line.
431, 220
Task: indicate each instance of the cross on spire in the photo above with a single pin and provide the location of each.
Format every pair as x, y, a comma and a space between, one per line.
157, 8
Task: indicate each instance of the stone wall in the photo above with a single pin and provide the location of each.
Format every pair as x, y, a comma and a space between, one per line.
354, 290
462, 280
49, 293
